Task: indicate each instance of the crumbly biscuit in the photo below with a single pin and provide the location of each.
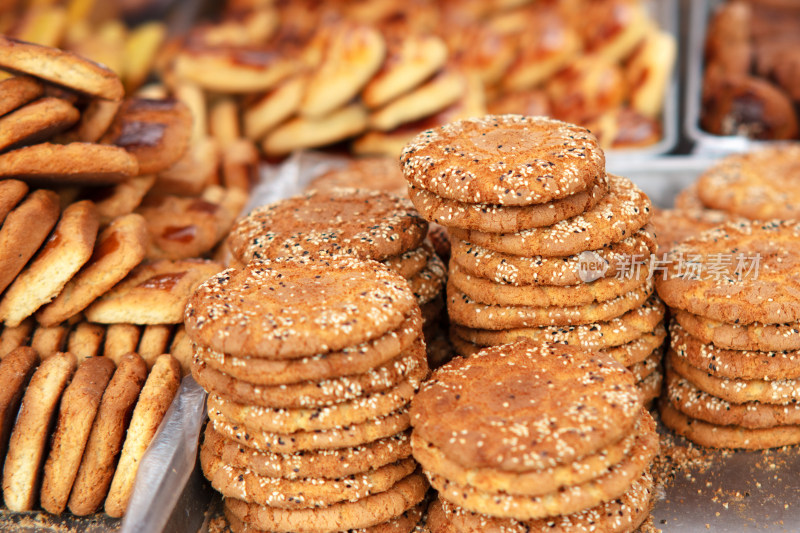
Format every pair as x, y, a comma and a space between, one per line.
609, 486
531, 483
16, 369
505, 379
121, 339
36, 122
311, 393
650, 387
599, 335
733, 364
197, 169
73, 163
18, 91
467, 312
759, 185
157, 395
28, 444
12, 338
567, 270
619, 214
11, 193
721, 272
75, 417
366, 224
108, 432
154, 341
505, 219
182, 349
364, 513
356, 359
152, 293
373, 173
48, 341
695, 403
621, 515
778, 392
439, 92
328, 464
340, 302
62, 255
301, 132
156, 132
344, 437
308, 493
86, 340
506, 160
714, 436
24, 230
487, 291
645, 368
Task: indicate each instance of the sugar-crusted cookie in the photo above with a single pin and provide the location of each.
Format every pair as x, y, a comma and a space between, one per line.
619, 214
28, 444
505, 160
340, 302
75, 418
107, 435
152, 293
673, 226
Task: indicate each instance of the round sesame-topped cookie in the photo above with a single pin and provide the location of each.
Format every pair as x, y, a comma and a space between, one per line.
365, 224
526, 406
738, 273
295, 308
504, 160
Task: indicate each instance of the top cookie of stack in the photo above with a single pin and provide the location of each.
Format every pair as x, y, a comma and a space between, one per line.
545, 244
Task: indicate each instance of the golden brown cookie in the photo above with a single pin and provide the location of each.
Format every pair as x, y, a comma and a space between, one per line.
73, 163
723, 272
619, 214
467, 312
412, 262
351, 360
86, 340
108, 433
62, 255
228, 70
28, 444
156, 132
11, 193
333, 304
121, 339
154, 341
504, 380
119, 248
157, 395
16, 369
505, 219
18, 91
714, 436
12, 338
329, 464
506, 160
48, 341
274, 107
24, 230
366, 224
118, 200
301, 132
364, 513
152, 293
36, 122
75, 417
569, 270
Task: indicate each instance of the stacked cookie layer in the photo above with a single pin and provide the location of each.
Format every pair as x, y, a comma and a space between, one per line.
310, 366
732, 375
545, 245
529, 436
347, 222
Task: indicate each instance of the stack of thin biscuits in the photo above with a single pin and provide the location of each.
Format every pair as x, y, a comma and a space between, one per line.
732, 379
530, 437
545, 244
73, 435
310, 365
355, 222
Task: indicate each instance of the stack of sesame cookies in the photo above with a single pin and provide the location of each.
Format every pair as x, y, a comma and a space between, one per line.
348, 222
545, 244
732, 377
530, 437
310, 365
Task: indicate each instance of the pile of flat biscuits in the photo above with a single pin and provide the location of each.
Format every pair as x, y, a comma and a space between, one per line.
532, 437
732, 379
354, 222
310, 365
545, 244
